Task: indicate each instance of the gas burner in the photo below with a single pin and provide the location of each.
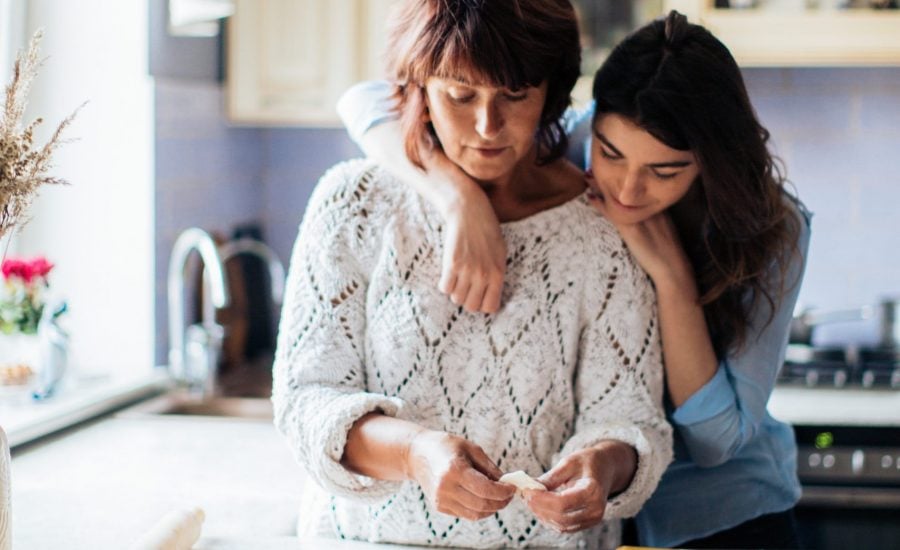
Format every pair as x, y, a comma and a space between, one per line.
815, 367
839, 367
879, 367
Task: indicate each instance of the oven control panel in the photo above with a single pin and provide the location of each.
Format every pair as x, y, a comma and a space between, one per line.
848, 455
849, 465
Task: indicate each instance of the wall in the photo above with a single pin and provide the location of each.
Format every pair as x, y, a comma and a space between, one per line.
838, 131
215, 176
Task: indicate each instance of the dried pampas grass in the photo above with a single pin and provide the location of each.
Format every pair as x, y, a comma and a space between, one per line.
23, 167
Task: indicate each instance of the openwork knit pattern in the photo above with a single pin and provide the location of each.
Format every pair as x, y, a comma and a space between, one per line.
572, 358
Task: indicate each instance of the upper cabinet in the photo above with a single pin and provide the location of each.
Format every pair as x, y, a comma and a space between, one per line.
781, 33
289, 60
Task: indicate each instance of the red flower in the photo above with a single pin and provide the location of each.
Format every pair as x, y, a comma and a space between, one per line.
27, 271
40, 267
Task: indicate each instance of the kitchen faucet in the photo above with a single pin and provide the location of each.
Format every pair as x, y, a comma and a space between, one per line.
255, 248
194, 353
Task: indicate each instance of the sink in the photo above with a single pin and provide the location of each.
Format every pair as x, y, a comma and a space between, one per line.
182, 404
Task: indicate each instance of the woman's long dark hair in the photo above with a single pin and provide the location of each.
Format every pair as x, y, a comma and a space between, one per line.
681, 84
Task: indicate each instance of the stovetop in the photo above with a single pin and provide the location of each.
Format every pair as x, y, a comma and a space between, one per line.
866, 368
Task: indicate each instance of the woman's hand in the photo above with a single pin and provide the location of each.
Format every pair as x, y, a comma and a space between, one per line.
654, 242
474, 261
579, 486
456, 475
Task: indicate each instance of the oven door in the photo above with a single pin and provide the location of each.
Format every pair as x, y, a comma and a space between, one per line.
849, 517
851, 487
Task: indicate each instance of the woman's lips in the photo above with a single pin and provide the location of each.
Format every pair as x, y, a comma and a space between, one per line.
624, 206
490, 152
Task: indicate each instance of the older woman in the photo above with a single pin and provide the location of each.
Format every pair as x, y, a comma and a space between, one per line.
406, 408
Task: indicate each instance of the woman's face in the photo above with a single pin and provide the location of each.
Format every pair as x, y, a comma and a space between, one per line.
484, 129
637, 175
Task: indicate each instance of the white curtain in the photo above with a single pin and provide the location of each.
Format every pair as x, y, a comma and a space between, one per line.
98, 231
12, 34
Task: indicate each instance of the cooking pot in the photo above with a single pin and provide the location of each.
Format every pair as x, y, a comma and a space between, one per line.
887, 312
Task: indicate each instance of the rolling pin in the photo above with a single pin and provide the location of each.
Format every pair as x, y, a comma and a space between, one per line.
177, 530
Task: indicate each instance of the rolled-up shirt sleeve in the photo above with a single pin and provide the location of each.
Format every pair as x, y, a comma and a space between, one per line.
365, 105
726, 413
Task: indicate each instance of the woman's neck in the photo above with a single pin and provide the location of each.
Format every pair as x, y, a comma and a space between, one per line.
531, 188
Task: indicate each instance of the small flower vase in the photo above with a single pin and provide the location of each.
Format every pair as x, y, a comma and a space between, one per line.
5, 499
20, 359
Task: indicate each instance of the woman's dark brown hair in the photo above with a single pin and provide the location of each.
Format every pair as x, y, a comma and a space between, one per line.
738, 226
507, 43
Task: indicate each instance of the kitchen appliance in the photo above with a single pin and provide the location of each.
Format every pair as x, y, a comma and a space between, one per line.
841, 367
873, 365
843, 401
851, 486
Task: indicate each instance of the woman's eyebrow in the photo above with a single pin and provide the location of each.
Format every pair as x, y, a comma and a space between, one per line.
606, 142
676, 164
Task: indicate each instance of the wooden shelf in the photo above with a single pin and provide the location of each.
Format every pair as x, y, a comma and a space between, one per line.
814, 37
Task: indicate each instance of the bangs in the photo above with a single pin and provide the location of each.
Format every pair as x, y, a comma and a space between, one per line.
468, 47
487, 64
512, 44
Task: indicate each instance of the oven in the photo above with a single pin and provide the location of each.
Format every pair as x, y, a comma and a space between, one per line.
844, 404
843, 401
851, 486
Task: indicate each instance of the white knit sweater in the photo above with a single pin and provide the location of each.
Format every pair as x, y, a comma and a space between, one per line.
572, 357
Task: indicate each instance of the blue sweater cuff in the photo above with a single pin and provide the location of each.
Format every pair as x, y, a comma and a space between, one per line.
709, 401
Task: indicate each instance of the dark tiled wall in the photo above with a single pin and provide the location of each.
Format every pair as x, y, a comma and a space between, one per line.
838, 131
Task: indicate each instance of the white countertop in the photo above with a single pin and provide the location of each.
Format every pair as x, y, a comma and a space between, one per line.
103, 485
829, 407
76, 401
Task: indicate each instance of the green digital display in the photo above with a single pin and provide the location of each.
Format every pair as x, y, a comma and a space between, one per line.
824, 440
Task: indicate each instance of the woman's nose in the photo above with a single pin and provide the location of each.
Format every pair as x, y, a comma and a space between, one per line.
489, 120
632, 190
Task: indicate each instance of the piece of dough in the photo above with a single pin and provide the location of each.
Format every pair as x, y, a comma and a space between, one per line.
177, 530
522, 481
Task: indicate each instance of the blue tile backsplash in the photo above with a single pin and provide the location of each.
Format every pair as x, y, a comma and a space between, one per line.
837, 130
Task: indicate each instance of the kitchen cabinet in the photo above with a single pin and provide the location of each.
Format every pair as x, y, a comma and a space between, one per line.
288, 61
798, 36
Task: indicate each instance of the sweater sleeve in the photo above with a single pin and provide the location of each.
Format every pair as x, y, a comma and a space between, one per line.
726, 413
319, 379
619, 383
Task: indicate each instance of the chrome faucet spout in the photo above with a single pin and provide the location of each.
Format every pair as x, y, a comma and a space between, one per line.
189, 241
266, 254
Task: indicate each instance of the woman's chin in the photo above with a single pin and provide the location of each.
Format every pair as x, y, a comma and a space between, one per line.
486, 174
